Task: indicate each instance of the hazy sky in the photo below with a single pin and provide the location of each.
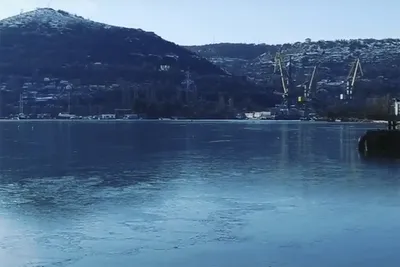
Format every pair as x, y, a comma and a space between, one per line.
250, 21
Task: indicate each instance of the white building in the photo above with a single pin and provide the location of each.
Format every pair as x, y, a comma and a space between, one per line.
107, 116
396, 103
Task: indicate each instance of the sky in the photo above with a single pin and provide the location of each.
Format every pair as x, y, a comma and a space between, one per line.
195, 22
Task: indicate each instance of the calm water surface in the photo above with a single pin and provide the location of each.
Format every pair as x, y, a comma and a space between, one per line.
200, 194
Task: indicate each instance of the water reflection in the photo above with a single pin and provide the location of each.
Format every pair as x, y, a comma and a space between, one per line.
92, 156
94, 193
284, 144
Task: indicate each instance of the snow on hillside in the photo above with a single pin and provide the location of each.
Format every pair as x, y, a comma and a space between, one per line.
47, 16
336, 57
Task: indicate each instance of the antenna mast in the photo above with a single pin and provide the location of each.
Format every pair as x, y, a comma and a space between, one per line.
69, 88
21, 104
69, 102
187, 84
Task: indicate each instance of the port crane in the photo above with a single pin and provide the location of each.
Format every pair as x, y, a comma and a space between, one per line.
356, 71
310, 93
310, 90
286, 76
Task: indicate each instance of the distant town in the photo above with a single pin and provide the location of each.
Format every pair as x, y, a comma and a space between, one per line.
136, 74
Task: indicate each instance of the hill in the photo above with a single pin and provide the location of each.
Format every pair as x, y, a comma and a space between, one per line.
47, 51
380, 60
59, 43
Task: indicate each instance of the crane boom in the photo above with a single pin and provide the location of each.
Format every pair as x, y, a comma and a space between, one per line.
278, 62
285, 75
312, 77
357, 68
353, 74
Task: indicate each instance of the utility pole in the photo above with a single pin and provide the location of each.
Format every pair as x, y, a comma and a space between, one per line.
190, 88
187, 86
21, 104
69, 102
69, 89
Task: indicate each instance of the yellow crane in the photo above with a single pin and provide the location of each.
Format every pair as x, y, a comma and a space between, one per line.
284, 79
312, 85
310, 89
355, 72
309, 94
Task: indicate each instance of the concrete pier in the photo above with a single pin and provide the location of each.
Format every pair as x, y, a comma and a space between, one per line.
383, 143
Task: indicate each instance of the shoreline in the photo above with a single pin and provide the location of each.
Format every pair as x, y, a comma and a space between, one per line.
189, 120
